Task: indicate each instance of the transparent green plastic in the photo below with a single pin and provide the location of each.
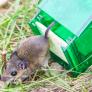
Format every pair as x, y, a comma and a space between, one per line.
73, 25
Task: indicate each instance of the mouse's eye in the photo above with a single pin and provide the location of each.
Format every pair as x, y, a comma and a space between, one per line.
22, 65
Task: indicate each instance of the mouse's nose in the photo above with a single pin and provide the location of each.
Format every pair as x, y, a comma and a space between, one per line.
14, 73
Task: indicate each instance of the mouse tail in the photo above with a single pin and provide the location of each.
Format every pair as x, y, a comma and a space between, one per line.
49, 27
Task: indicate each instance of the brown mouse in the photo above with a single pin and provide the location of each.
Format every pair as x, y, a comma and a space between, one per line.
30, 54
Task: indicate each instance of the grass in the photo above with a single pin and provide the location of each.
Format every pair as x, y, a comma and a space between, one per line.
13, 28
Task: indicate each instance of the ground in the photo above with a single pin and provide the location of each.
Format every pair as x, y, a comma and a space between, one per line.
14, 18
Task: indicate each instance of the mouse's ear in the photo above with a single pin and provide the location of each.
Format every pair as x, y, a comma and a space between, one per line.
13, 53
23, 64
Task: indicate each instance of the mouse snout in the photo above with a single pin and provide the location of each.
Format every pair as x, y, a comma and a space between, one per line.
13, 73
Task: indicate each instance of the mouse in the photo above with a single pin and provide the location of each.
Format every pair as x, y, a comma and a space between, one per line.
30, 54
